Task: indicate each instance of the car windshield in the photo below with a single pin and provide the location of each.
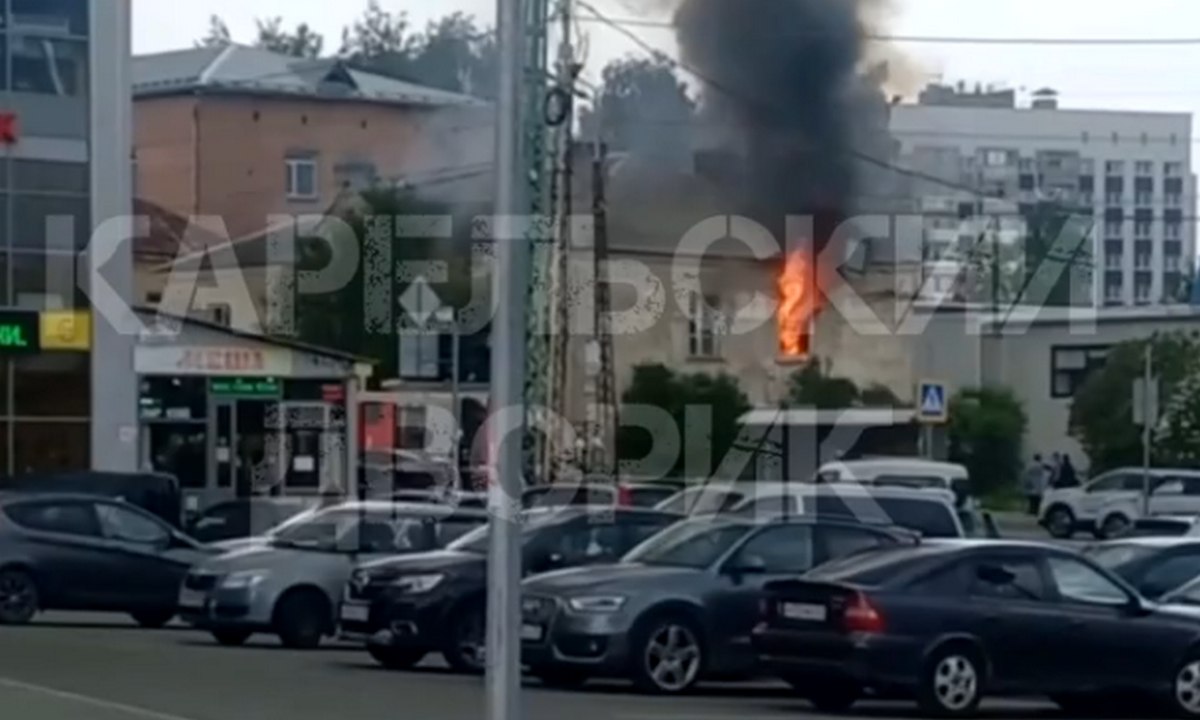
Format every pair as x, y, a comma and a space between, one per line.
930, 518
1116, 556
700, 501
1189, 594
352, 529
694, 544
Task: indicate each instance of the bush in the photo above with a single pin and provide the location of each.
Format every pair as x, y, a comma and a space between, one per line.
986, 429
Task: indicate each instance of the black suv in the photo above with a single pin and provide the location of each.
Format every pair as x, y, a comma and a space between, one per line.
406, 607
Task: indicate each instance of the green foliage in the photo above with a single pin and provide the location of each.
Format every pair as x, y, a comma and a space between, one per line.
218, 33
1102, 410
812, 386
1177, 437
301, 43
986, 429
642, 106
704, 444
340, 319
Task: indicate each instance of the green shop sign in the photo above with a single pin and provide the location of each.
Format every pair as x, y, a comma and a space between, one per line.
20, 332
246, 387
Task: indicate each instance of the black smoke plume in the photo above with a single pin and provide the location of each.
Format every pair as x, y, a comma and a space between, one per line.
785, 77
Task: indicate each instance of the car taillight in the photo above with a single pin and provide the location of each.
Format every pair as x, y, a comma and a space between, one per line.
862, 617
624, 496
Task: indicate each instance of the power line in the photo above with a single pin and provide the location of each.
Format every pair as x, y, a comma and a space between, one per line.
946, 39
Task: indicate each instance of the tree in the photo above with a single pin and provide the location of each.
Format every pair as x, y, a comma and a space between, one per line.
986, 429
1102, 409
339, 319
643, 106
704, 443
218, 34
303, 43
1177, 435
379, 41
812, 386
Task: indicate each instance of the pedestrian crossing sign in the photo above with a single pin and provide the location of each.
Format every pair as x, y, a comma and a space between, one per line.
931, 402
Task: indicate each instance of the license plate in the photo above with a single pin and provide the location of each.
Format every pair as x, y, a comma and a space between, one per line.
803, 611
356, 613
532, 633
191, 599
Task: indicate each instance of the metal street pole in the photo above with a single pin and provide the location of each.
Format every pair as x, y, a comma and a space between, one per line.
510, 284
1147, 408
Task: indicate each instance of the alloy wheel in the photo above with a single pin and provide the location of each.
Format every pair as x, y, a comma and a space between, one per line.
955, 683
18, 598
471, 643
1187, 688
673, 657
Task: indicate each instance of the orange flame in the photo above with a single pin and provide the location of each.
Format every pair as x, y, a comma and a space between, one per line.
797, 306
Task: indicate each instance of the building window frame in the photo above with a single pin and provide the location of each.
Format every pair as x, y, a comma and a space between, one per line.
1071, 376
300, 169
704, 326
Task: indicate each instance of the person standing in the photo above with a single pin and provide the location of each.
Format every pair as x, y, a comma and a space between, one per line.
1037, 478
1066, 473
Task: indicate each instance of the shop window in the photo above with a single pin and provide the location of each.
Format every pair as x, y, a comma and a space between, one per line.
180, 449
5, 469
46, 282
59, 17
43, 221
48, 447
1070, 367
47, 66
48, 176
173, 398
52, 385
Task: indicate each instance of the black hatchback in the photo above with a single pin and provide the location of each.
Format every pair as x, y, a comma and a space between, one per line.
950, 622
403, 608
82, 552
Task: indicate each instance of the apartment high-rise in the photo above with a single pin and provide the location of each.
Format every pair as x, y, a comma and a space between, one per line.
1129, 173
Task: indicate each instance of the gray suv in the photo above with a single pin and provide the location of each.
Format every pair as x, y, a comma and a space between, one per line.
681, 605
290, 584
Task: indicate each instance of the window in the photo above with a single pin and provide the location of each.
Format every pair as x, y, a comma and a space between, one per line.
412, 427
222, 314
1143, 229
1141, 291
48, 447
301, 178
1173, 200
1008, 579
778, 550
47, 221
996, 158
1173, 169
839, 542
771, 506
46, 282
1118, 482
589, 540
1114, 198
1114, 167
49, 176
1143, 199
931, 518
67, 518
1079, 583
1143, 167
643, 528
64, 17
52, 385
1172, 230
703, 318
1170, 573
119, 523
1113, 228
48, 66
1113, 290
1070, 367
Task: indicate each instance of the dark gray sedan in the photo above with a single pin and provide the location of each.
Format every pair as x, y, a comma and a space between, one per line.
82, 552
681, 606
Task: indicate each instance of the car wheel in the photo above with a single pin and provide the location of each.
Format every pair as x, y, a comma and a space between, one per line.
1114, 526
833, 697
465, 650
1185, 695
1060, 522
18, 597
396, 658
560, 678
301, 619
668, 656
231, 638
153, 619
952, 684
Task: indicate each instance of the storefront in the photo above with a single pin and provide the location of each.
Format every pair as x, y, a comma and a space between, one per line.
232, 414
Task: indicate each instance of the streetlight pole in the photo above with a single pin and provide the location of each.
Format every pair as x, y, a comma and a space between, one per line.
510, 285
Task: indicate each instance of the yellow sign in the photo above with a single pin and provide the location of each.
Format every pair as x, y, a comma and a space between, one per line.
66, 330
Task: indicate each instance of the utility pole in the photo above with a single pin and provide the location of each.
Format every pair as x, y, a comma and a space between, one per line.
601, 455
1148, 411
511, 284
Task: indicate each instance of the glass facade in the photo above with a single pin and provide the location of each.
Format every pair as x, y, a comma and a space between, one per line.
45, 222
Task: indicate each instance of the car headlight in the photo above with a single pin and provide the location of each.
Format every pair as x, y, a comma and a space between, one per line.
597, 604
416, 584
244, 579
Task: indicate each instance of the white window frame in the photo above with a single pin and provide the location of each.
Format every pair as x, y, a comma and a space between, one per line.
704, 326
294, 166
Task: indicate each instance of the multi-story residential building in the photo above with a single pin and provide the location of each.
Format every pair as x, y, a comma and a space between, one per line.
1126, 174
242, 134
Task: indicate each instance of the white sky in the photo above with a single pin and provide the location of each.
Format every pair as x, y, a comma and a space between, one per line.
1126, 77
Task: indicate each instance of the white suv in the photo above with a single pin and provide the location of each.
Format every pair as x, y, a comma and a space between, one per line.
1109, 504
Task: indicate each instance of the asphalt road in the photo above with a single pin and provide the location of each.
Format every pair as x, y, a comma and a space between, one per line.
77, 667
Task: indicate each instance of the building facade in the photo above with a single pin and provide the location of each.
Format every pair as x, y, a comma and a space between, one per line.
1126, 175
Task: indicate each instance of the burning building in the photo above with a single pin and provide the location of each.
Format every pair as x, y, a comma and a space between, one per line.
786, 82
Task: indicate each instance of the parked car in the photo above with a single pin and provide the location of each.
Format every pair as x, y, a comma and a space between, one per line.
905, 472
598, 492
680, 606
404, 608
456, 498
290, 584
950, 622
1152, 565
245, 518
83, 552
704, 499
1109, 504
156, 493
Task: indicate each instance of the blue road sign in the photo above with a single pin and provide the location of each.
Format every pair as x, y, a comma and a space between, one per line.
932, 404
